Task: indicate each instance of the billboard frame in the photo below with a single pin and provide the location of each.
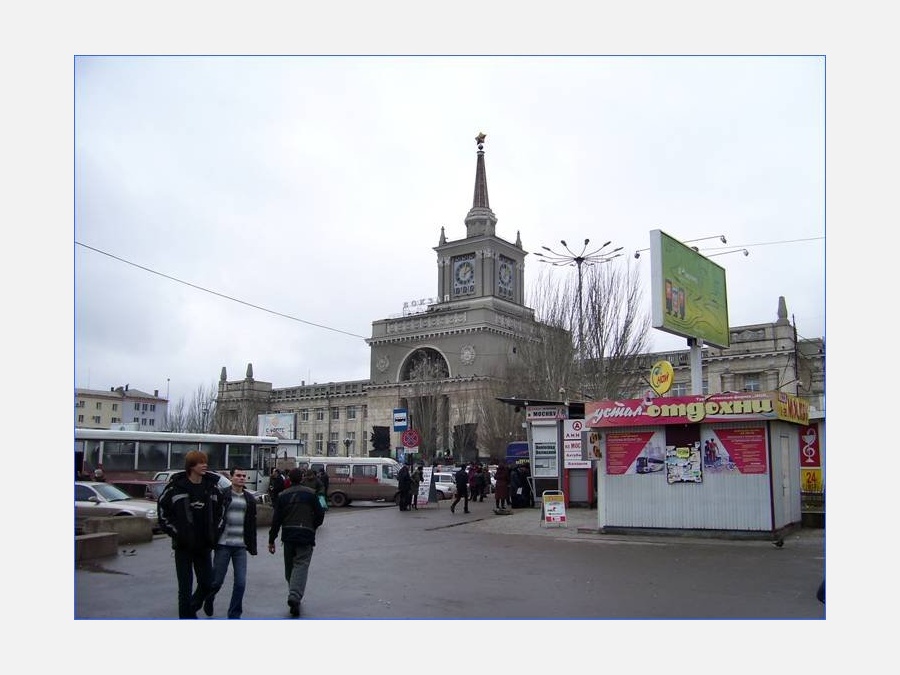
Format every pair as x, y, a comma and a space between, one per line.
689, 292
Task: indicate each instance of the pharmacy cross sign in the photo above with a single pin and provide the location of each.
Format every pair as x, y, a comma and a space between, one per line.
410, 438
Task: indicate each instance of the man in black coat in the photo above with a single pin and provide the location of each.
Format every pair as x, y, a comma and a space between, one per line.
462, 489
404, 486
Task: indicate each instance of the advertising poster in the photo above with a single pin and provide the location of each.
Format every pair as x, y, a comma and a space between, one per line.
744, 450
425, 486
545, 460
683, 464
279, 425
633, 452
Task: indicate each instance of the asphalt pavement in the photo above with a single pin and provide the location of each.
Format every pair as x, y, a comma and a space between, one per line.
373, 561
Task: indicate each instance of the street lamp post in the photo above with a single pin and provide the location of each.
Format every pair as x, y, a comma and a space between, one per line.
347, 443
596, 257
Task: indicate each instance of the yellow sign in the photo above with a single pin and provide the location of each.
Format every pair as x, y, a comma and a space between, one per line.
811, 480
662, 376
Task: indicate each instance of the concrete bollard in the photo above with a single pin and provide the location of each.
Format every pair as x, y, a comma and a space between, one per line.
128, 529
97, 545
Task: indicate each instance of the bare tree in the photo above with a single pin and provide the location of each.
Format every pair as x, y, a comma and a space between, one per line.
196, 416
499, 423
427, 372
615, 332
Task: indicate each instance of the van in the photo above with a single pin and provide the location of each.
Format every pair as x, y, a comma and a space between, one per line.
362, 478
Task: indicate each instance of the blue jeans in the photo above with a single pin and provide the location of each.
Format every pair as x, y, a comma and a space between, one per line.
186, 564
296, 568
237, 555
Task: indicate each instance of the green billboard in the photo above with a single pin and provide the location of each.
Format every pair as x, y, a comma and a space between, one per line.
688, 292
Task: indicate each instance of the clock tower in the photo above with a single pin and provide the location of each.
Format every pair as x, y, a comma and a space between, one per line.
482, 265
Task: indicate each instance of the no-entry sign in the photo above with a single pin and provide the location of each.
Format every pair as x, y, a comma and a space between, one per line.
410, 438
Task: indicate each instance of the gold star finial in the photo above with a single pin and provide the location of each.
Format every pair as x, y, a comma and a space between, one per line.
480, 138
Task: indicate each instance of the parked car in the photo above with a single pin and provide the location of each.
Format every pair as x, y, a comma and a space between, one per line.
445, 485
141, 489
101, 500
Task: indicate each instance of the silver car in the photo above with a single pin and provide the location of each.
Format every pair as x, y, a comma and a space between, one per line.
101, 500
445, 485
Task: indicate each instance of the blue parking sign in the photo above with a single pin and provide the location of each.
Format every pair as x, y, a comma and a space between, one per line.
401, 419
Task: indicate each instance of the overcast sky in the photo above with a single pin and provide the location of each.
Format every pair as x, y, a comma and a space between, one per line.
316, 188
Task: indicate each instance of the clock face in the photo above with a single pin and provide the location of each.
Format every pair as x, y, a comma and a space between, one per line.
464, 272
505, 274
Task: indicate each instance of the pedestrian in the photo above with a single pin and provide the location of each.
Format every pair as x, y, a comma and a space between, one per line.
236, 541
501, 489
417, 477
404, 487
276, 484
297, 514
323, 476
480, 475
473, 490
462, 489
515, 487
99, 476
190, 511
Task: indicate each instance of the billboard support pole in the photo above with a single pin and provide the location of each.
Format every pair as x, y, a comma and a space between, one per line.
696, 346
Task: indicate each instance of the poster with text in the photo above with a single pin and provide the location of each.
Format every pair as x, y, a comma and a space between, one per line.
744, 450
683, 464
634, 452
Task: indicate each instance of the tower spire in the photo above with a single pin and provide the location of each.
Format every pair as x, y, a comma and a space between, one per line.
480, 219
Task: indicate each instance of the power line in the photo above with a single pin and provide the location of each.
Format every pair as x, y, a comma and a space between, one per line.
221, 295
763, 243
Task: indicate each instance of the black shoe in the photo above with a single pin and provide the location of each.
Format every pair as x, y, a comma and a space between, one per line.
295, 607
466, 511
453, 508
208, 606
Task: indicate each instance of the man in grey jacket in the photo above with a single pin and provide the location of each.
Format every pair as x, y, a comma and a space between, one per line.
297, 514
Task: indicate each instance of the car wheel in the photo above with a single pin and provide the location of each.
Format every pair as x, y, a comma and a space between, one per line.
440, 495
338, 499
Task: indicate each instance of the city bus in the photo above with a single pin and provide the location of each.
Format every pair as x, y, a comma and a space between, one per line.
127, 455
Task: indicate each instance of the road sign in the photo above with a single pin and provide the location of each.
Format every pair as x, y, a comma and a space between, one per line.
410, 438
553, 508
401, 419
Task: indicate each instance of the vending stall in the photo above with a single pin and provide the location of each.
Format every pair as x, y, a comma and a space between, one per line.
723, 463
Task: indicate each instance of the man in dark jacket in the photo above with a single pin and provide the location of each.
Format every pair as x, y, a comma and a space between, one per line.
404, 487
462, 490
191, 512
236, 541
297, 514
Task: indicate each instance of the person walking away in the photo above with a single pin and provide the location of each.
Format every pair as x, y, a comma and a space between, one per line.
297, 514
236, 541
462, 489
515, 487
276, 484
323, 477
417, 477
470, 470
404, 485
480, 474
190, 511
501, 489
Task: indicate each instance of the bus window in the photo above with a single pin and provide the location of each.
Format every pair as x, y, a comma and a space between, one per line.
118, 456
239, 455
179, 450
152, 456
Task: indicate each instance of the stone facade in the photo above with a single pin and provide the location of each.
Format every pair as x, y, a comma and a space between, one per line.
468, 336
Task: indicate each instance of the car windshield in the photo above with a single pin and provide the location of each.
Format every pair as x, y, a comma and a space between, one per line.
110, 492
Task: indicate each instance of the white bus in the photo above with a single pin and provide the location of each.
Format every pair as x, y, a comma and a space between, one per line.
141, 454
